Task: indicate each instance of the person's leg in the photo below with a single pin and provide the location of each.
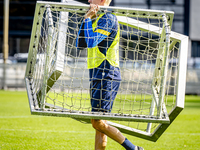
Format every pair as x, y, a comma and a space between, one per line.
95, 93
105, 91
114, 134
100, 141
107, 95
110, 131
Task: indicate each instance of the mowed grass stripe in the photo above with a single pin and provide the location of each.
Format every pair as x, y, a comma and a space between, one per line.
21, 130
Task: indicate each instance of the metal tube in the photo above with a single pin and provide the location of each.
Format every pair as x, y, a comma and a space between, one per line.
5, 30
165, 65
5, 40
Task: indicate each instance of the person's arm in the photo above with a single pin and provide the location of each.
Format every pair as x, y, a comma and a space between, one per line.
80, 40
103, 30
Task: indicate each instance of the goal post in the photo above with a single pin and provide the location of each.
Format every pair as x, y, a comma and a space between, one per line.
53, 37
153, 62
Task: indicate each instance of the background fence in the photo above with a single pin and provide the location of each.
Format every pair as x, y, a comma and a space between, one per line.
14, 78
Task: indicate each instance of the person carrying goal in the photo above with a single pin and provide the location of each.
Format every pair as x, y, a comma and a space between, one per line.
100, 35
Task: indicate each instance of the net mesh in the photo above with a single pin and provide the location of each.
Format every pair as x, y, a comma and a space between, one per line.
68, 88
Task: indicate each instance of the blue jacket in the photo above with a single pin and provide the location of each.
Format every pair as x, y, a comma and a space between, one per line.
102, 36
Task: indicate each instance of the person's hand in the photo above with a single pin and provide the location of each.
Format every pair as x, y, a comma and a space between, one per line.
93, 11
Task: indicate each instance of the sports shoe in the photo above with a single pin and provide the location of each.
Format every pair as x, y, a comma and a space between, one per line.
138, 148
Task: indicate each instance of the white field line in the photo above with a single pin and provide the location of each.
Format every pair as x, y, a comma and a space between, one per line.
4, 117
184, 133
2, 129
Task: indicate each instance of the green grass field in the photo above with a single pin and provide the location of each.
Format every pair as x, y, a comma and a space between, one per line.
21, 130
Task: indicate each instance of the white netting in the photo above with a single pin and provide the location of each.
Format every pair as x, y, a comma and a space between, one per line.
65, 75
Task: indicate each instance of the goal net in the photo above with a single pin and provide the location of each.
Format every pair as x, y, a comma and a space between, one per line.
150, 95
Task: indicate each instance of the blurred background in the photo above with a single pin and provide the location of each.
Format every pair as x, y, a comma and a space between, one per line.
21, 13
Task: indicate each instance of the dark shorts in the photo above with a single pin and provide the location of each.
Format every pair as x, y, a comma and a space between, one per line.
103, 93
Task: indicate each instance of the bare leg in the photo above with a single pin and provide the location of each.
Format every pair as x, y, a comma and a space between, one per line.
100, 141
110, 131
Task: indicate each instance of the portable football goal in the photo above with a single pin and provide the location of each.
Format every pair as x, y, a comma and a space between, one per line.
152, 60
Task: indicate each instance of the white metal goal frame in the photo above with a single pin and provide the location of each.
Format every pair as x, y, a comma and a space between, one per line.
172, 38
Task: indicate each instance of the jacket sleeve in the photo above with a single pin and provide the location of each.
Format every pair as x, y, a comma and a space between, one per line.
80, 40
103, 30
